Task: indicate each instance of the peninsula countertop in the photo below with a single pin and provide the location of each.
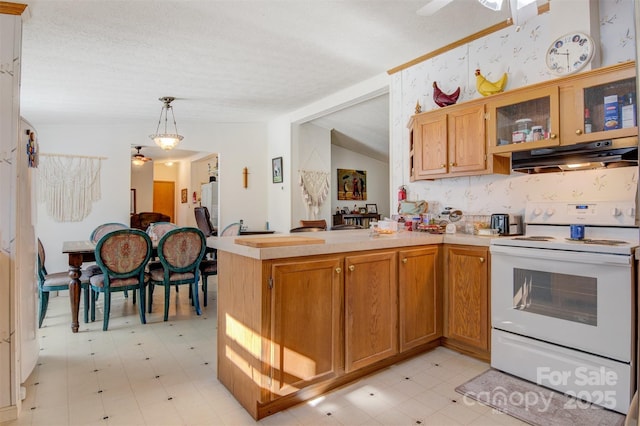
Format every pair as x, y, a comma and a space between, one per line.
340, 242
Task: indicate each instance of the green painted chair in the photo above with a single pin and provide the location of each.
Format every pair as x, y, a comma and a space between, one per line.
122, 256
57, 281
102, 230
209, 267
180, 251
99, 232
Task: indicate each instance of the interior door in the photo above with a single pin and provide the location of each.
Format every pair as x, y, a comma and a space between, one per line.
164, 198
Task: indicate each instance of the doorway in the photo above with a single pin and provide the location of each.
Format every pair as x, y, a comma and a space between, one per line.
164, 198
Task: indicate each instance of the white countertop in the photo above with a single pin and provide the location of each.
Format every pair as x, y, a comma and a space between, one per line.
341, 242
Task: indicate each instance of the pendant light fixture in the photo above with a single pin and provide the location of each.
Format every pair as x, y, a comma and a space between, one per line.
166, 140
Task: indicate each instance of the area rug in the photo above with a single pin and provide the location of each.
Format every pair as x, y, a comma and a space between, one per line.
533, 404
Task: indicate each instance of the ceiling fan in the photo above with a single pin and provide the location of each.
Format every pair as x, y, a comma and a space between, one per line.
138, 159
520, 10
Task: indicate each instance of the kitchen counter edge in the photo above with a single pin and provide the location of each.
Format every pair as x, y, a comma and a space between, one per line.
341, 242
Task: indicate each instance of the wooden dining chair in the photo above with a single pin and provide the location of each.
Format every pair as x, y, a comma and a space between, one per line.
180, 251
320, 223
122, 256
57, 281
209, 267
307, 229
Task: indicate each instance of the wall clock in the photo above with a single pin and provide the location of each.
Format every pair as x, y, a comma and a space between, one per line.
570, 53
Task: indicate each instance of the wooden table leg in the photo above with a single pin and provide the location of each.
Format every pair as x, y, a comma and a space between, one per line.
75, 262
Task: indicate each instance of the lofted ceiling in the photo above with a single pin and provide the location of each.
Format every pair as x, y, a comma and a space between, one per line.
226, 60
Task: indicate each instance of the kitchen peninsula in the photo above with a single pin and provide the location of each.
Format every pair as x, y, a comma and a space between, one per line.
298, 319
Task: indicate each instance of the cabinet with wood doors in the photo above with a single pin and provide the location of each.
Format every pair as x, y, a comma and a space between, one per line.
419, 297
565, 111
308, 296
467, 298
293, 328
451, 142
370, 291
597, 91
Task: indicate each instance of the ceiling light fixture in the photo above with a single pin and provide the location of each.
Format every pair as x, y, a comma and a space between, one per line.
166, 140
494, 5
138, 159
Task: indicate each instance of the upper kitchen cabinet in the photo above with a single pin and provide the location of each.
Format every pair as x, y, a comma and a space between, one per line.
591, 106
524, 119
450, 142
599, 104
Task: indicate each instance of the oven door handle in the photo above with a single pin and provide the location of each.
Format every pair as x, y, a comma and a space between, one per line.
562, 255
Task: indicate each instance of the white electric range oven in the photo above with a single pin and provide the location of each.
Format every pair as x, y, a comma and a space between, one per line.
563, 311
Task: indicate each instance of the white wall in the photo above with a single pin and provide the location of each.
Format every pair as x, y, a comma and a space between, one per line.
239, 145
142, 182
314, 154
279, 195
283, 139
377, 179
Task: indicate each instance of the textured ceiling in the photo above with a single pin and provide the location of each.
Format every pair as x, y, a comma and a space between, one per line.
224, 61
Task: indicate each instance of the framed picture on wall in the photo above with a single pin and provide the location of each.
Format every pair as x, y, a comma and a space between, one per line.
183, 195
276, 169
352, 184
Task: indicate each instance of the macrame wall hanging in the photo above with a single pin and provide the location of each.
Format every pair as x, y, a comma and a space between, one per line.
69, 184
315, 188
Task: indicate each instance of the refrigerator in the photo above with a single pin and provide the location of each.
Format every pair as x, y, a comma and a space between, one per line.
209, 199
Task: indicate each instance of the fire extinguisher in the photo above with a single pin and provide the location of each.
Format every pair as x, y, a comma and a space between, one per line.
402, 193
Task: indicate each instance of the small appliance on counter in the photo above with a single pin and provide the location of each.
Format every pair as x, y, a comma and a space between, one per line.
506, 224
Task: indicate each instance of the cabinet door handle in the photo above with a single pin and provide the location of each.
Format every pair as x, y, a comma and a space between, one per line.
452, 164
338, 270
352, 268
578, 132
553, 136
482, 260
405, 260
442, 166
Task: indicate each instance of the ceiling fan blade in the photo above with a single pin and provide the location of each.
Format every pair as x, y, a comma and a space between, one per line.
432, 7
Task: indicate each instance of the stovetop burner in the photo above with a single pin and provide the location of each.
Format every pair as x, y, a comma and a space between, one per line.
534, 238
598, 241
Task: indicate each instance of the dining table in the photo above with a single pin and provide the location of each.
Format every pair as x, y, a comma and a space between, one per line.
78, 252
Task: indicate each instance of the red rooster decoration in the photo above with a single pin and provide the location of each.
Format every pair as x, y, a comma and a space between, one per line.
442, 99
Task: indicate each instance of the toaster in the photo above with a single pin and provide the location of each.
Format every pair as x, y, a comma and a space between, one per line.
506, 224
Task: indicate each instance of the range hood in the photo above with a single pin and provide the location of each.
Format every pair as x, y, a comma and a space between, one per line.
591, 155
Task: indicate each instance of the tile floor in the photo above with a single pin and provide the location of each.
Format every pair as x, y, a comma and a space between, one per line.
164, 373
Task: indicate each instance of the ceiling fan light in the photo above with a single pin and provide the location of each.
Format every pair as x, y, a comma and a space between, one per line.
494, 5
136, 161
166, 140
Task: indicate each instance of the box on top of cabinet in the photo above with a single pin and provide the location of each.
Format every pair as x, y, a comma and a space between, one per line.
611, 116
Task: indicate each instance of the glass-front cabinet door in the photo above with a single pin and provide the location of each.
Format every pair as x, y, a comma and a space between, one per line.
526, 119
599, 106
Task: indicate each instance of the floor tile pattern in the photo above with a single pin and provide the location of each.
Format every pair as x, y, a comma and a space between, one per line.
164, 373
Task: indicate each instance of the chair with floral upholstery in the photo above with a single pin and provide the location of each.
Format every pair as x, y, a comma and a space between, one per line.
99, 232
209, 267
122, 256
180, 251
156, 230
57, 281
105, 228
